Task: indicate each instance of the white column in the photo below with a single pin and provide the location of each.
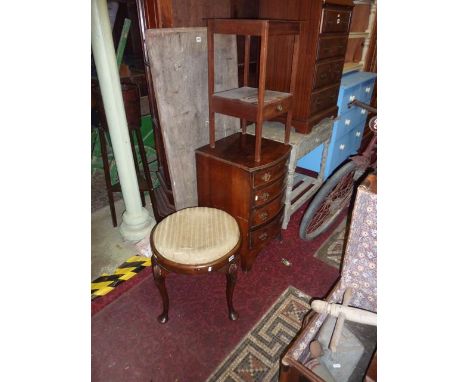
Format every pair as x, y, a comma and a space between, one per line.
137, 222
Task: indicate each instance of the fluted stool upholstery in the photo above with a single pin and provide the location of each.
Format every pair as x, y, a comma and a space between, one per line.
193, 241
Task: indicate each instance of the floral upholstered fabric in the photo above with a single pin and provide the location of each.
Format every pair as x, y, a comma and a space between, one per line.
359, 268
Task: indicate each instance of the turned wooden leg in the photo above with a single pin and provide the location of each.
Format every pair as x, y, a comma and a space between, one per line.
159, 275
231, 277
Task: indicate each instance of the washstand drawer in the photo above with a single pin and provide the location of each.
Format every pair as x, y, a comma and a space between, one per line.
263, 235
324, 99
335, 20
329, 47
269, 174
263, 214
268, 193
328, 72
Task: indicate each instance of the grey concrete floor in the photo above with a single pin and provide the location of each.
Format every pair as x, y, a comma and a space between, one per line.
108, 249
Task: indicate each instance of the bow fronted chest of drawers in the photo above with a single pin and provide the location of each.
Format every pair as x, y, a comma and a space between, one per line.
229, 178
348, 128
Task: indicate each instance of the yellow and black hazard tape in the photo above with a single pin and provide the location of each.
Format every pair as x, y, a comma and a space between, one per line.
105, 283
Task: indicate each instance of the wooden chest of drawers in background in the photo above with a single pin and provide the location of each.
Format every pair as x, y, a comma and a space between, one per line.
228, 178
323, 41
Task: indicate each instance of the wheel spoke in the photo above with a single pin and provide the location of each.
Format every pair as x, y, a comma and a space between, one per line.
337, 199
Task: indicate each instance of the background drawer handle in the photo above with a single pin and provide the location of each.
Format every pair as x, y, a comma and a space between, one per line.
342, 147
279, 107
263, 236
263, 216
347, 122
266, 177
358, 133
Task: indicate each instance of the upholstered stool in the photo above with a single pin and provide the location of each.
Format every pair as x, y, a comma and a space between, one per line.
193, 241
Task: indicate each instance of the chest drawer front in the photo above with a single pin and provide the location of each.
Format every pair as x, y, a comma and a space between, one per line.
269, 174
327, 73
356, 138
268, 193
348, 121
338, 152
324, 98
261, 236
349, 95
263, 214
335, 20
365, 91
329, 47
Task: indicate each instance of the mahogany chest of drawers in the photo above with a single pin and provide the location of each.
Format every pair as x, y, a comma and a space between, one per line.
228, 178
323, 41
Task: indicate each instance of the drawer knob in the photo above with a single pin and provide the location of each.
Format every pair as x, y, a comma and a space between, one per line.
342, 146
347, 122
363, 111
358, 133
352, 98
263, 236
338, 20
266, 177
264, 196
279, 107
368, 90
264, 216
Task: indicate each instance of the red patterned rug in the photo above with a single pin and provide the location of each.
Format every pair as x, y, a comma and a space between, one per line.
258, 356
129, 344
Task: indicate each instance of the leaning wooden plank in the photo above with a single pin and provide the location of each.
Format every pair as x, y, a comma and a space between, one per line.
179, 68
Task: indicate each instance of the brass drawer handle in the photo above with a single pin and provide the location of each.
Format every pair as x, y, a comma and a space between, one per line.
264, 196
263, 236
266, 177
279, 107
263, 216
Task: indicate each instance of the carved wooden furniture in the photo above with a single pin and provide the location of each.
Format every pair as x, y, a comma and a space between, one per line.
348, 129
324, 38
246, 103
359, 272
230, 179
194, 241
131, 97
299, 186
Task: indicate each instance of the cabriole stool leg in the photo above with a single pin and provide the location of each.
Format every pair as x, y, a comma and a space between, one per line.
231, 277
159, 275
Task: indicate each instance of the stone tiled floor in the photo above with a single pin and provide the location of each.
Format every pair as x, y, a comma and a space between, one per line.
108, 249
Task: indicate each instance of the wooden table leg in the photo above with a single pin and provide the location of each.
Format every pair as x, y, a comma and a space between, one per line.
231, 278
159, 275
105, 163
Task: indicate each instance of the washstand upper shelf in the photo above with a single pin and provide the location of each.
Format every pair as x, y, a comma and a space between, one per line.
247, 103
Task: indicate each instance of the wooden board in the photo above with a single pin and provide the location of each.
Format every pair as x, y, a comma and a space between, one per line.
179, 67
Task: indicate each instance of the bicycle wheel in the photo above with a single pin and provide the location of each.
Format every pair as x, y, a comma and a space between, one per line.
329, 201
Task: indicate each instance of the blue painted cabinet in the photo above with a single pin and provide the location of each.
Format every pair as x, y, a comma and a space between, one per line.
348, 128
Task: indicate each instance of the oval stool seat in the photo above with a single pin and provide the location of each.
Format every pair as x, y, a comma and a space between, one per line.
193, 241
196, 235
